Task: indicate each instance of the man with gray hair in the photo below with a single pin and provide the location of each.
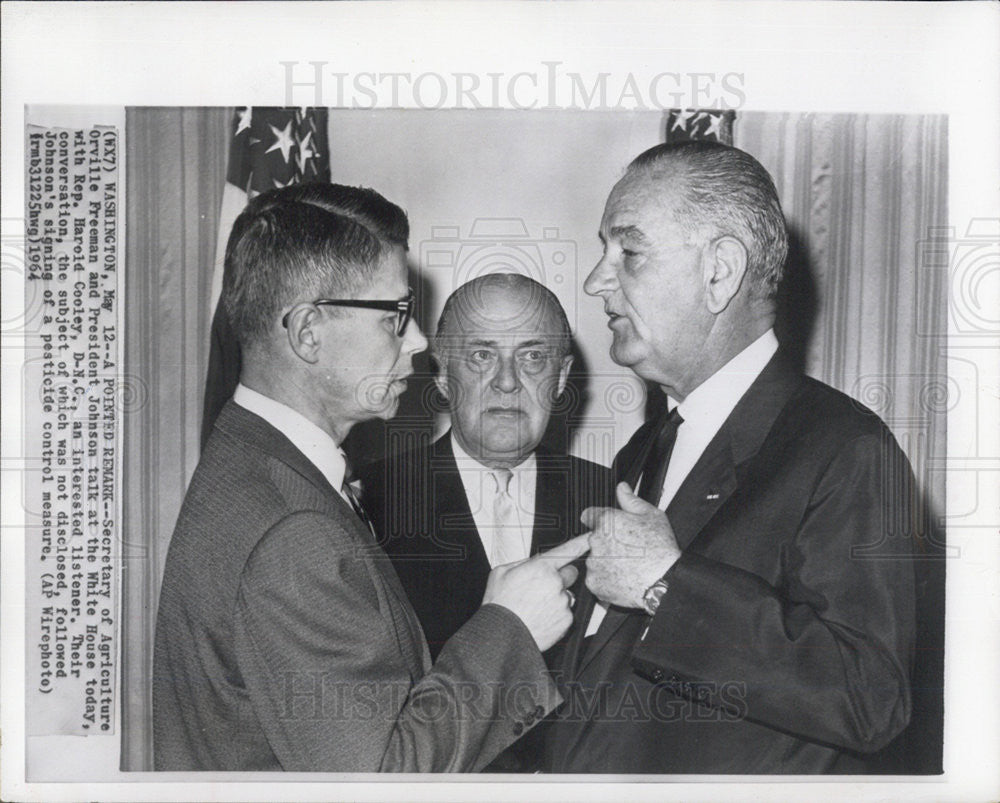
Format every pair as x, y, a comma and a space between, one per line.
485, 494
284, 640
749, 610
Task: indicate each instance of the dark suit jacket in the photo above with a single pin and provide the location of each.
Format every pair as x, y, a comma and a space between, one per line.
284, 640
418, 505
785, 640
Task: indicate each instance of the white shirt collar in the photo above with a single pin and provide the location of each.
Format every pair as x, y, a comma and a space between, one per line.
708, 406
479, 490
471, 469
320, 449
717, 396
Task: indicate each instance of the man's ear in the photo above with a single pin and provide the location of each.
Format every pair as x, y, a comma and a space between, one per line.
725, 266
304, 336
440, 374
567, 363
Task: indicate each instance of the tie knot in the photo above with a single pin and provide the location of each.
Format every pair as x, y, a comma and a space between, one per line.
671, 423
502, 478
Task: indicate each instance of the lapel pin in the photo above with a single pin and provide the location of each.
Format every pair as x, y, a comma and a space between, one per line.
712, 497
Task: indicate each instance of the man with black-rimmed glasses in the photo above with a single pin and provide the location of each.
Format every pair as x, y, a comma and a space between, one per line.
284, 639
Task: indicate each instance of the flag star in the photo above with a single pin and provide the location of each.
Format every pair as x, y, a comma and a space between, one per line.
245, 118
715, 120
282, 141
681, 118
305, 152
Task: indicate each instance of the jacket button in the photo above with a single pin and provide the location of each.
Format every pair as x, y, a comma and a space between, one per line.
518, 728
657, 675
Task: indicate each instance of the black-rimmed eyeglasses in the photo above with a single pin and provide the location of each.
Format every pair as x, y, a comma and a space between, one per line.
403, 308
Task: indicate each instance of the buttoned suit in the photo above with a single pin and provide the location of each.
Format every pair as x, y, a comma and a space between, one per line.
285, 641
419, 506
784, 641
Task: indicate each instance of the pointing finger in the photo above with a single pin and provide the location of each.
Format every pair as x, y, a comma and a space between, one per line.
567, 552
568, 574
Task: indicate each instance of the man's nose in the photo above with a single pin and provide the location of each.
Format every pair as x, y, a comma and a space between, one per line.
506, 379
602, 278
413, 339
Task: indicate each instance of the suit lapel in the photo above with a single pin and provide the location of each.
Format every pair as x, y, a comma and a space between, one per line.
705, 489
710, 483
452, 513
239, 422
716, 475
552, 507
628, 465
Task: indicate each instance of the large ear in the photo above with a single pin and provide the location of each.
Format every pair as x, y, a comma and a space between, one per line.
303, 332
725, 266
440, 373
567, 363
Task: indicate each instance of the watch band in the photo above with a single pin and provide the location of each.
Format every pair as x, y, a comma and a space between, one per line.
653, 595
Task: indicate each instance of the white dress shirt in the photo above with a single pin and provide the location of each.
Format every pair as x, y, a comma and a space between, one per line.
320, 449
704, 411
480, 489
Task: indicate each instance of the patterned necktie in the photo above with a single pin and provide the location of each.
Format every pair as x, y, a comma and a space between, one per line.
654, 471
507, 546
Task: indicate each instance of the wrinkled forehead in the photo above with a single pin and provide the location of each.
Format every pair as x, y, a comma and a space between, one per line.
511, 314
642, 197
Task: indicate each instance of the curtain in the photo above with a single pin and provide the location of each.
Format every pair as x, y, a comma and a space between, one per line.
176, 161
863, 311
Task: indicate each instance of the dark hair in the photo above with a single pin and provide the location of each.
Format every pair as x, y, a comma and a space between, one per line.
465, 297
309, 240
728, 192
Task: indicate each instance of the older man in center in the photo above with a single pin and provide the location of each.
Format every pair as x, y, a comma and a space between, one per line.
484, 494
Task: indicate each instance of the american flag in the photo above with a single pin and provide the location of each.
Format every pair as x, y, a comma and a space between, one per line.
684, 125
270, 147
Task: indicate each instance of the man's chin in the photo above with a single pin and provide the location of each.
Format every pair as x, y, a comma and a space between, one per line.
508, 450
385, 409
625, 356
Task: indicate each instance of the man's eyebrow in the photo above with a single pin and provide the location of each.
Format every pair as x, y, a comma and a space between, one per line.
631, 232
481, 341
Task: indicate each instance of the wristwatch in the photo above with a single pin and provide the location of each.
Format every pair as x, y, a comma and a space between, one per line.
651, 598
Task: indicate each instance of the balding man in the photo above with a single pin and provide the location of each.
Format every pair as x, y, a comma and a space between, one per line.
283, 641
749, 611
485, 494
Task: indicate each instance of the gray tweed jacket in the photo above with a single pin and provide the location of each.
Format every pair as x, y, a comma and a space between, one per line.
285, 641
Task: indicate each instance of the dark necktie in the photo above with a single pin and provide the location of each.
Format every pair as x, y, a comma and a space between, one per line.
654, 471
352, 497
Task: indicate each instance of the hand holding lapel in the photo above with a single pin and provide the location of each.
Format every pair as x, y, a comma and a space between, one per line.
630, 548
